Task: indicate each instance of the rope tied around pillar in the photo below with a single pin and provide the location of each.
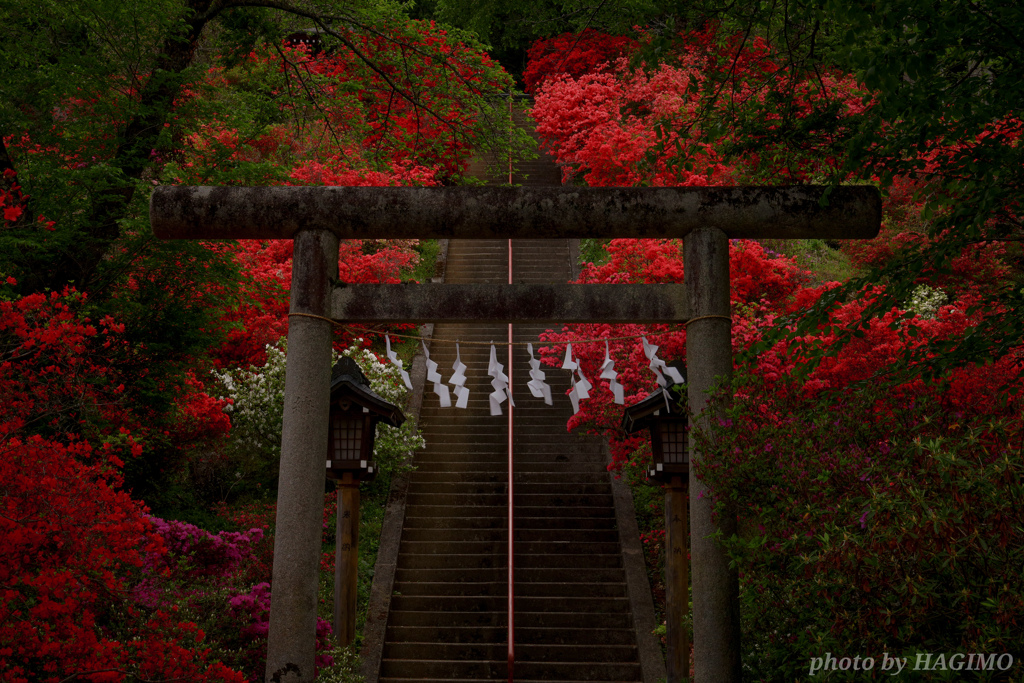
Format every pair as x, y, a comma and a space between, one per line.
706, 317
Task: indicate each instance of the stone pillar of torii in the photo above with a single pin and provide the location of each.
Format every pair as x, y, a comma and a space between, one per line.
317, 217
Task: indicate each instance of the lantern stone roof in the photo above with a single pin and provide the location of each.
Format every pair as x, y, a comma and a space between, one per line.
347, 379
639, 415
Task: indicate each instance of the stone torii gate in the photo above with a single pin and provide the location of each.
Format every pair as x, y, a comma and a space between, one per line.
317, 217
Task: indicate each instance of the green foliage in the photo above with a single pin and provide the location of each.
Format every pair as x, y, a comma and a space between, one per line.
505, 23
346, 668
426, 266
593, 251
74, 82
870, 524
170, 296
100, 97
511, 26
821, 258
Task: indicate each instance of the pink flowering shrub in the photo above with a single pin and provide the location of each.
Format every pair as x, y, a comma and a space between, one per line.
198, 553
253, 609
206, 575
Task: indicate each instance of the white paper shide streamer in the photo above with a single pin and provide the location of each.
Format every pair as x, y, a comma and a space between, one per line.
458, 380
581, 387
538, 387
660, 369
398, 364
608, 373
500, 383
434, 376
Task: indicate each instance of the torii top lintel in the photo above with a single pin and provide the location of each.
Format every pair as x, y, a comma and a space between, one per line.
278, 212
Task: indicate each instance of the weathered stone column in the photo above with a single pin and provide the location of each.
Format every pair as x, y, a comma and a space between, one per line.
300, 493
716, 619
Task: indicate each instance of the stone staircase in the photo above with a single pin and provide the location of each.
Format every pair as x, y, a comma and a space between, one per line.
448, 614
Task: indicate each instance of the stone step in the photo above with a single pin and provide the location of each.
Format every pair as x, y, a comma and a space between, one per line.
523, 516
462, 458
497, 670
525, 493
522, 512
523, 537
456, 511
615, 589
498, 558
447, 475
584, 576
549, 487
547, 560
440, 522
472, 680
526, 548
546, 500
555, 636
421, 528
490, 589
569, 574
536, 604
452, 561
500, 533
458, 487
523, 522
567, 499
552, 468
524, 652
500, 589
455, 468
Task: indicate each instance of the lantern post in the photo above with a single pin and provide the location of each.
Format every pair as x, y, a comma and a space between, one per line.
354, 414
667, 422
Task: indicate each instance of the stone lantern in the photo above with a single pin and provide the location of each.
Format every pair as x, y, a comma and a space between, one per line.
661, 413
354, 414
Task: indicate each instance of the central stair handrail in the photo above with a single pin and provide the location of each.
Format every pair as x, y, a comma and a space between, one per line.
511, 567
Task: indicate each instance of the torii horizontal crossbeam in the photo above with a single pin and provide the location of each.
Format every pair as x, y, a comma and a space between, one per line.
415, 303
278, 212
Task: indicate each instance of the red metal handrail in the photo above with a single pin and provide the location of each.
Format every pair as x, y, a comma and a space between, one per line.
511, 571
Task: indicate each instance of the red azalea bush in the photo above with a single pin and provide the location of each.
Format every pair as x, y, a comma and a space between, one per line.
351, 123
261, 317
349, 128
362, 122
762, 285
74, 546
764, 288
623, 126
574, 55
979, 268
878, 512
